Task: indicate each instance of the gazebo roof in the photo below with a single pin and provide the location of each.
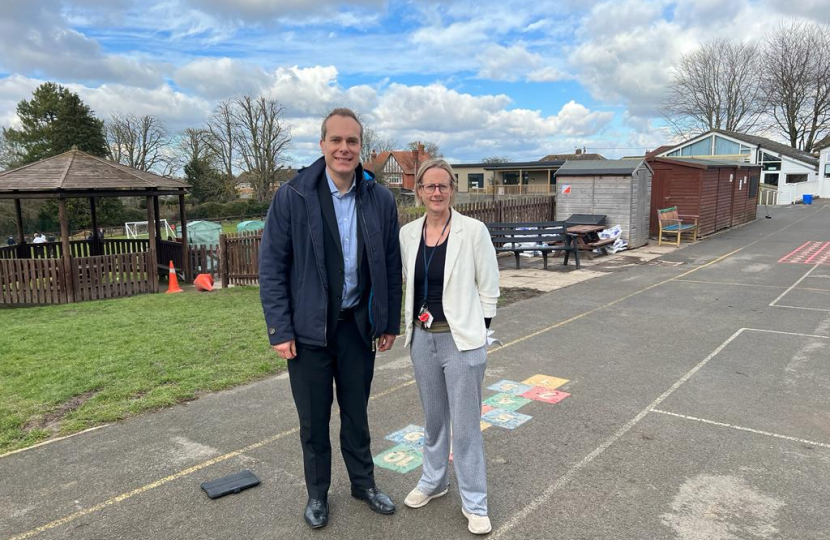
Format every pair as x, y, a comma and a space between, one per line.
76, 173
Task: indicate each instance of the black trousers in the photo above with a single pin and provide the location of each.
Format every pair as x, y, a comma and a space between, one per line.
348, 362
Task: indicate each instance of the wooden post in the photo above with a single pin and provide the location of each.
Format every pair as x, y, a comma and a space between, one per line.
188, 271
223, 260
153, 270
158, 218
66, 254
95, 241
21, 238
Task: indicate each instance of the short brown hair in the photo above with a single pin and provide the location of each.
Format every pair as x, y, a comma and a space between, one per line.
434, 164
341, 111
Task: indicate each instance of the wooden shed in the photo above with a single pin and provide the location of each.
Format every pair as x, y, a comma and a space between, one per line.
722, 193
618, 188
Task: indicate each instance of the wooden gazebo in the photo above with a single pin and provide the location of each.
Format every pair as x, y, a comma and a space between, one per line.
73, 271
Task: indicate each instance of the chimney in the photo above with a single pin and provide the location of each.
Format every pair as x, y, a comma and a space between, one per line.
420, 148
579, 151
416, 157
374, 155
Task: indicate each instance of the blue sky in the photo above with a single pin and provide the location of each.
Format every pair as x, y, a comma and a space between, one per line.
513, 78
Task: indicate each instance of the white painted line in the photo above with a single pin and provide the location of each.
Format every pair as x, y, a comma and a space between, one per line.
50, 441
522, 514
793, 286
799, 307
784, 333
730, 284
741, 428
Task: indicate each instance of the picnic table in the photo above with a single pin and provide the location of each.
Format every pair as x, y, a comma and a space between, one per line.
587, 238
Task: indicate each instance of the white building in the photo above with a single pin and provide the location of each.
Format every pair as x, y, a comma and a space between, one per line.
787, 174
823, 148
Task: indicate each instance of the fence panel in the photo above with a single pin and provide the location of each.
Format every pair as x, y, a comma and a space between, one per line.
32, 281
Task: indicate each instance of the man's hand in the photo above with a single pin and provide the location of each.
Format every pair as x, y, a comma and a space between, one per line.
385, 342
287, 350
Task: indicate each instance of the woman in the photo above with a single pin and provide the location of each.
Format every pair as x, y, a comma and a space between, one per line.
452, 286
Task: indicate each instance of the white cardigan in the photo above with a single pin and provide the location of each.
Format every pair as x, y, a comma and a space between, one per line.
471, 278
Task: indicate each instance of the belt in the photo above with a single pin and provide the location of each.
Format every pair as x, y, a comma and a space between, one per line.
346, 314
438, 327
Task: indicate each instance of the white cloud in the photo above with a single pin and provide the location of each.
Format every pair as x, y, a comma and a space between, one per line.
810, 9
258, 10
507, 63
218, 78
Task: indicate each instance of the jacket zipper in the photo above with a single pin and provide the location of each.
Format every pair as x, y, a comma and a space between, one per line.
322, 281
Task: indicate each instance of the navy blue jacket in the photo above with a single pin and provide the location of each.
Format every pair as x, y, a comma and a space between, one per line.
292, 271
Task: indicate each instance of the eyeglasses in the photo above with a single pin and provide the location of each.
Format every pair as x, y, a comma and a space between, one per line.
430, 188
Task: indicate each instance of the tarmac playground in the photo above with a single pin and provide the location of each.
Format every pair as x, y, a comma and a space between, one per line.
682, 398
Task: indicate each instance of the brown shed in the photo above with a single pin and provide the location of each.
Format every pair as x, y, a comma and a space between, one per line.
722, 193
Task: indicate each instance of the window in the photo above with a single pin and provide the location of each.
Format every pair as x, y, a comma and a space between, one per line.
394, 179
700, 148
771, 179
827, 170
796, 178
770, 163
475, 180
725, 146
753, 187
745, 149
511, 178
675, 153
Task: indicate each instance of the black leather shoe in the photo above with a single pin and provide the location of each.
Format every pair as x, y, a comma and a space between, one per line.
316, 513
376, 500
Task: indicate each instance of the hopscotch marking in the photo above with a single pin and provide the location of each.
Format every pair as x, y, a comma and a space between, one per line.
809, 253
500, 410
775, 303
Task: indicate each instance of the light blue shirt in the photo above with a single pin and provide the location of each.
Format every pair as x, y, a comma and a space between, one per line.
346, 214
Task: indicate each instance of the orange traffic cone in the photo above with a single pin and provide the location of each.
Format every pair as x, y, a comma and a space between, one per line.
203, 282
173, 281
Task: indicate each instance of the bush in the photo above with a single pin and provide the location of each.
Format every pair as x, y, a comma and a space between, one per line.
234, 209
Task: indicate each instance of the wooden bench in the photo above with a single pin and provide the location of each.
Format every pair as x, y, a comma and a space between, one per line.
587, 227
545, 236
673, 223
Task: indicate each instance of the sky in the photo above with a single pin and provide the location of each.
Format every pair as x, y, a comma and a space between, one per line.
512, 78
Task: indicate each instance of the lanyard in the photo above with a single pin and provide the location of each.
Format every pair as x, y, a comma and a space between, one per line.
427, 261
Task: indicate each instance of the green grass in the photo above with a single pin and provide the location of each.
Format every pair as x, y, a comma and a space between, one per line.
67, 368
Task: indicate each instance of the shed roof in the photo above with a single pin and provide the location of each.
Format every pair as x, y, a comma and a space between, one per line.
608, 167
77, 171
698, 163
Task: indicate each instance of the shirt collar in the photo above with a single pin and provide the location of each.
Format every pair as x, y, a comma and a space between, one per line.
333, 187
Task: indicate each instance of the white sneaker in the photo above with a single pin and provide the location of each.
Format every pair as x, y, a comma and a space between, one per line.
418, 498
477, 524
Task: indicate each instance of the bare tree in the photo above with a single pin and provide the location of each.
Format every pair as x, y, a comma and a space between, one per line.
715, 87
261, 136
495, 159
430, 148
139, 142
373, 143
221, 142
797, 81
193, 144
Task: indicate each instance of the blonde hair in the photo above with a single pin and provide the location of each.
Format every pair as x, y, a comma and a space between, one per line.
434, 164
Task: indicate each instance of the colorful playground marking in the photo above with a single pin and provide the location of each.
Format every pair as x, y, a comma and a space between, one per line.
498, 410
510, 387
400, 459
411, 435
540, 393
506, 402
809, 253
544, 380
506, 419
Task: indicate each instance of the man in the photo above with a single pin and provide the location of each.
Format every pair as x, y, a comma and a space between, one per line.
39, 239
330, 284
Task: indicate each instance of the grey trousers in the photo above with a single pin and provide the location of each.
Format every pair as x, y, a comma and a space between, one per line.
449, 382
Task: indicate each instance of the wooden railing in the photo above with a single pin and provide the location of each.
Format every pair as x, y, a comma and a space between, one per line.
521, 189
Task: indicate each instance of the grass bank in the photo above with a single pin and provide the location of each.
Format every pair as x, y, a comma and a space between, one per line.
66, 368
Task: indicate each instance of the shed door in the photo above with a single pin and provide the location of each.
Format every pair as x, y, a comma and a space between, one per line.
723, 217
660, 198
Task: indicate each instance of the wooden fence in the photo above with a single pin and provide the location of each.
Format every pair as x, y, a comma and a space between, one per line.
508, 210
239, 258
43, 281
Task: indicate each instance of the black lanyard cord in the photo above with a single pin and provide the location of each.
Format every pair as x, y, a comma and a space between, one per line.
427, 261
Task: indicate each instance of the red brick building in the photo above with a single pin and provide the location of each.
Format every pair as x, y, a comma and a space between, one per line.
398, 167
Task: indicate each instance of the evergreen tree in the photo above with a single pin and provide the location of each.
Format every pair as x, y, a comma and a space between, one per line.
206, 182
53, 121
